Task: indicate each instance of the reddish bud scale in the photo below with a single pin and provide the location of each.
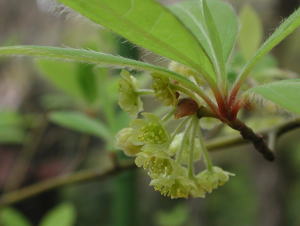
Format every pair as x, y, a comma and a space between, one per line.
186, 107
235, 110
222, 107
233, 95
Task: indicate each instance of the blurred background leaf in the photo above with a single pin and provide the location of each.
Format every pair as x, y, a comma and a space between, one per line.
81, 123
12, 217
62, 215
178, 216
251, 33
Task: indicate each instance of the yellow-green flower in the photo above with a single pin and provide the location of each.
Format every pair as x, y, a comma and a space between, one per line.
149, 130
124, 142
163, 90
210, 180
129, 99
174, 186
156, 162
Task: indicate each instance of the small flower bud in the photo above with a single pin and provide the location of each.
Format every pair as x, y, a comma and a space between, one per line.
210, 180
186, 107
124, 142
129, 99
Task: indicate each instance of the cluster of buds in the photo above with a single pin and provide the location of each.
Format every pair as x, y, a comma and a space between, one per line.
169, 158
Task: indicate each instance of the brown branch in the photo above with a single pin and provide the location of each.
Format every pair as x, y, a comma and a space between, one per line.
249, 135
229, 141
50, 184
257, 140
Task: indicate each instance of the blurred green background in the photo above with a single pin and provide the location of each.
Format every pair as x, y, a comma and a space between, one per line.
57, 118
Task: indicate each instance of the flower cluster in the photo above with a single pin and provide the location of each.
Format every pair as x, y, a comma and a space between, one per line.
169, 159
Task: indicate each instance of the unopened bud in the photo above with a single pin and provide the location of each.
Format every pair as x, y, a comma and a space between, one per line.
185, 107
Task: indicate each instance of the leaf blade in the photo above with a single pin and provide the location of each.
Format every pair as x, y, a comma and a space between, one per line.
190, 14
284, 93
90, 57
148, 24
217, 48
284, 30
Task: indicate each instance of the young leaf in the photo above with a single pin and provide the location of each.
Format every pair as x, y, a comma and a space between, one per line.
251, 33
285, 29
62, 215
285, 93
89, 57
11, 217
148, 24
81, 123
213, 34
190, 13
92, 57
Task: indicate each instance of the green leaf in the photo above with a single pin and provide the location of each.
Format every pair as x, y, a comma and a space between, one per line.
11, 217
224, 17
62, 215
285, 93
92, 57
285, 29
251, 33
216, 42
148, 24
80, 123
